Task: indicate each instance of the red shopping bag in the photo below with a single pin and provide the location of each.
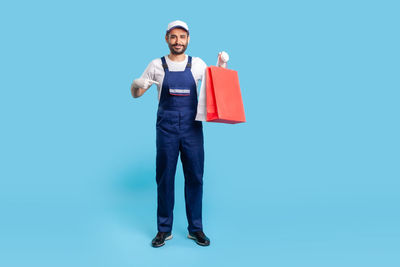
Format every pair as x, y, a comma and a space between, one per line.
224, 100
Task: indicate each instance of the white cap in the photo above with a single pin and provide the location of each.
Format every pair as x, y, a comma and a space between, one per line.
178, 24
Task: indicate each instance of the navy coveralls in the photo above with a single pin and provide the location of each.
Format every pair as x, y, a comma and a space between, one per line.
178, 131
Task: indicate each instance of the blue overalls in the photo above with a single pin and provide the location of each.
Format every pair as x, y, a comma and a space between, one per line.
177, 131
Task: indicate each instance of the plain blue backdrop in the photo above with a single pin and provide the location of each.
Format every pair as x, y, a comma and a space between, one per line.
311, 179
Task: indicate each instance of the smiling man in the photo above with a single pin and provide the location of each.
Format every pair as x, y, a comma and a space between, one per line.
176, 76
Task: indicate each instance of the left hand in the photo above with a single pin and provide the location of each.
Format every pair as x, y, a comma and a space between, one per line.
223, 58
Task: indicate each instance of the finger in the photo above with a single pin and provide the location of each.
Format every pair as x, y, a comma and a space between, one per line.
154, 82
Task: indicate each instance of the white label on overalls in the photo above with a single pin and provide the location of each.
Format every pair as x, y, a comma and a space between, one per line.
179, 91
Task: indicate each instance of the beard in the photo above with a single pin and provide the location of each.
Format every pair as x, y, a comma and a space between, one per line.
177, 52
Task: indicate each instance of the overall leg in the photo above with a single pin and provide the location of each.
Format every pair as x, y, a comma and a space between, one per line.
167, 157
192, 157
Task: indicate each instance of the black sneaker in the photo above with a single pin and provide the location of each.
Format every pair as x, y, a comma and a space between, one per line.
160, 238
200, 238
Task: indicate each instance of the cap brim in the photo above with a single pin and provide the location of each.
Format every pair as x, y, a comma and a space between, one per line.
177, 27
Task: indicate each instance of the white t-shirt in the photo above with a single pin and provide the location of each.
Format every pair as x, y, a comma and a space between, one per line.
155, 72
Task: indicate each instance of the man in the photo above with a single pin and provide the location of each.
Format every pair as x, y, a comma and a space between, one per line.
177, 76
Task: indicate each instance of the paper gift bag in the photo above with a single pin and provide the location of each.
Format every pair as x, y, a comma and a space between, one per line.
224, 99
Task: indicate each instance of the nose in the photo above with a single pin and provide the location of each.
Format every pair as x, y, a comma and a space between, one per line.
179, 40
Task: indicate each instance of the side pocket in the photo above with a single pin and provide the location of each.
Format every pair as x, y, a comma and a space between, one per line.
159, 118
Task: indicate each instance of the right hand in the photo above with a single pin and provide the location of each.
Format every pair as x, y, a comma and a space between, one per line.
143, 83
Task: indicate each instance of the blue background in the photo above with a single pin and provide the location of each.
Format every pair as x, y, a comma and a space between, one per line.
311, 179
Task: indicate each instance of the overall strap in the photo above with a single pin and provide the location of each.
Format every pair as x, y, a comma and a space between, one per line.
164, 64
189, 63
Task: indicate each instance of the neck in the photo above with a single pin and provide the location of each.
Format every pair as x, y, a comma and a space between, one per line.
180, 57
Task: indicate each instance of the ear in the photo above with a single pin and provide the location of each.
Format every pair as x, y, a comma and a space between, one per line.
188, 39
166, 38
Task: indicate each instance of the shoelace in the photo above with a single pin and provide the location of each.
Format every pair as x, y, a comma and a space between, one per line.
200, 234
161, 235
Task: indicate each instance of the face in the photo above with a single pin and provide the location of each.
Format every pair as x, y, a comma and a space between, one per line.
177, 40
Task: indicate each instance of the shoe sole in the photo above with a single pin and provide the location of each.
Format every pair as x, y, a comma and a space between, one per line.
197, 242
168, 238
